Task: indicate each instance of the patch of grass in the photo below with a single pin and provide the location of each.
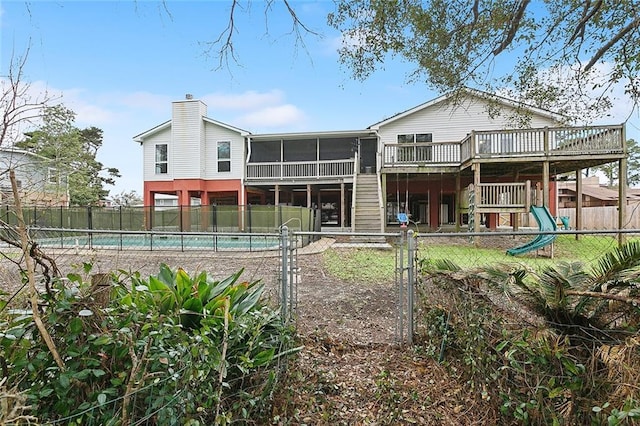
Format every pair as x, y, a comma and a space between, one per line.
360, 265
364, 264
588, 249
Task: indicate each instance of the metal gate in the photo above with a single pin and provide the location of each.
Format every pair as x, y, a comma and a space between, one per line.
292, 277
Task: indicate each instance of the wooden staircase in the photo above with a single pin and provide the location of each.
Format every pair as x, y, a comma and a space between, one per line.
367, 216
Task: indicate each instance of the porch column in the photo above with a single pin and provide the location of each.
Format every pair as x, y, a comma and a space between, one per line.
308, 196
457, 202
149, 207
277, 195
622, 198
383, 209
342, 204
545, 184
184, 206
476, 197
183, 197
578, 202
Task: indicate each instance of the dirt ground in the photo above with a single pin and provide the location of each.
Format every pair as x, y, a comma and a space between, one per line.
351, 371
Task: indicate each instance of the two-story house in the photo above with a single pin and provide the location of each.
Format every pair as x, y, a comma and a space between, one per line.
445, 162
38, 181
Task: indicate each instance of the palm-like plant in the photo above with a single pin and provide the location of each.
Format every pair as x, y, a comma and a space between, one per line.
567, 294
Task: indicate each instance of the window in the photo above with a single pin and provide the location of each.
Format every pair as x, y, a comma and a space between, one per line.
161, 159
52, 175
224, 156
415, 153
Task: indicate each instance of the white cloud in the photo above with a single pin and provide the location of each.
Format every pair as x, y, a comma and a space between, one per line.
142, 100
281, 116
247, 101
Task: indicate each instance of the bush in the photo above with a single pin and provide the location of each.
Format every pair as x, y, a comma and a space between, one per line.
555, 346
171, 349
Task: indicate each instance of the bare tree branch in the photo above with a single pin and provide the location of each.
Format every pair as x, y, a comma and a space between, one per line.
513, 28
632, 25
586, 17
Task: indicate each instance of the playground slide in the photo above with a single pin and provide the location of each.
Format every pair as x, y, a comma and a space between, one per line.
546, 222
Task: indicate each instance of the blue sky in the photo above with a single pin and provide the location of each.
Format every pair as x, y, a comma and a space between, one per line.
119, 64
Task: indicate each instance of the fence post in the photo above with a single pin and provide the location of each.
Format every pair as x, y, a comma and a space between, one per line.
101, 289
400, 271
214, 218
411, 241
293, 273
284, 274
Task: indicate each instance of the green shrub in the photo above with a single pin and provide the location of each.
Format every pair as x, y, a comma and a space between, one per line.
557, 345
171, 349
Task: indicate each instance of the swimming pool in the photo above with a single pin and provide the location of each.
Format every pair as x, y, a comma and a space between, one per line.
149, 241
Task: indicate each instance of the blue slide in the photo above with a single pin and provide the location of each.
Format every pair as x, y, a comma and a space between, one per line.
546, 222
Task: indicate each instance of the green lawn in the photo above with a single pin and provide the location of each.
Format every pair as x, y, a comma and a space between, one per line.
369, 265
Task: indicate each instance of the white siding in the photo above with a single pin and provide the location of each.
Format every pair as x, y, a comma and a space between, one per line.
149, 156
215, 134
187, 135
450, 123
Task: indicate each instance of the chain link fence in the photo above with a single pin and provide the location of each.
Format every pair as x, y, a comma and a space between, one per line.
359, 287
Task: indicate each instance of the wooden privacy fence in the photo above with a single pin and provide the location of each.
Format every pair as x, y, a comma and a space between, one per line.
603, 217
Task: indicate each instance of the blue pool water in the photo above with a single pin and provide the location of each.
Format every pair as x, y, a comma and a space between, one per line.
165, 242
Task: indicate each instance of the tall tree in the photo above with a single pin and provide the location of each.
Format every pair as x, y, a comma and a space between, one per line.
633, 166
127, 199
555, 51
73, 151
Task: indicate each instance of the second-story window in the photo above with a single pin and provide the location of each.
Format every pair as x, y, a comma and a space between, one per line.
161, 159
415, 153
52, 176
224, 156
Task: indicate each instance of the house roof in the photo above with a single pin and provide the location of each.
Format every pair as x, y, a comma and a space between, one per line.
23, 152
303, 135
475, 93
142, 136
227, 126
167, 124
600, 192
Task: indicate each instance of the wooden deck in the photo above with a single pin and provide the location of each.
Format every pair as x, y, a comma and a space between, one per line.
568, 146
509, 146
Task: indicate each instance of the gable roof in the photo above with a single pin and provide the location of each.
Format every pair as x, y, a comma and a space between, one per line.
9, 151
474, 93
227, 126
167, 125
599, 192
142, 136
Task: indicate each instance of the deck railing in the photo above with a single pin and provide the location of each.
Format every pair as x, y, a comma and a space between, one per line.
506, 195
422, 153
300, 169
548, 141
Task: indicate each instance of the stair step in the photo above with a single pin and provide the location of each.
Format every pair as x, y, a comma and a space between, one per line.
367, 216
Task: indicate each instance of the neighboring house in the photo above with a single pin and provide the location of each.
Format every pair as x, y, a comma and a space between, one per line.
593, 194
39, 183
443, 162
599, 205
